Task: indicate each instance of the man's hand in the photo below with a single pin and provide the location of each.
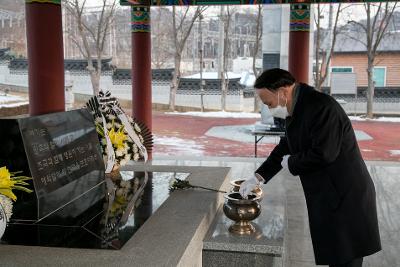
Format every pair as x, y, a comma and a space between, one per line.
248, 185
285, 162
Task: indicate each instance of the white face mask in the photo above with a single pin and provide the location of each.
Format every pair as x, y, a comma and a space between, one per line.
279, 111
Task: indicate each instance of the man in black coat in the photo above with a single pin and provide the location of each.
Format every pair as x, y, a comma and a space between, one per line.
320, 146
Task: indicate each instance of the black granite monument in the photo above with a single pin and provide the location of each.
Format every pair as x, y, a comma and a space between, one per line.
61, 152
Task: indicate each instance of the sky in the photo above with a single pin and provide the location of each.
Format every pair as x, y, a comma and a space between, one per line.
352, 11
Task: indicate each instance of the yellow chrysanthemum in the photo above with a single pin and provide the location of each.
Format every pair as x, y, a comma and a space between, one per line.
6, 183
117, 138
8, 193
119, 202
4, 173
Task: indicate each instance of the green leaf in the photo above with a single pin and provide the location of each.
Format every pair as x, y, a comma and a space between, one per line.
17, 187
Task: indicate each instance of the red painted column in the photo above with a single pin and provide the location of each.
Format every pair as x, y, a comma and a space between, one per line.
141, 65
299, 39
45, 56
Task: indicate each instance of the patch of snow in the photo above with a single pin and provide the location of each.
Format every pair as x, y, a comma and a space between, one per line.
381, 119
10, 98
394, 152
218, 114
247, 79
239, 133
183, 146
13, 104
213, 75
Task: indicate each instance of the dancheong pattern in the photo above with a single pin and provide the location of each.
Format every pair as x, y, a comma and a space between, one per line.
57, 2
300, 17
230, 2
140, 21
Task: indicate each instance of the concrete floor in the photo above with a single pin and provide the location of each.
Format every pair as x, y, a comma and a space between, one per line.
299, 248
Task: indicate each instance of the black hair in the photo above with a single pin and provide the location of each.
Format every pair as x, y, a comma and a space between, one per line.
273, 79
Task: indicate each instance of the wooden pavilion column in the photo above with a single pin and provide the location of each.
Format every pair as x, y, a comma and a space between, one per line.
141, 64
299, 39
45, 56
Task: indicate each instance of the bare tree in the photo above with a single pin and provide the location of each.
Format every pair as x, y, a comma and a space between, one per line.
324, 53
162, 42
256, 52
182, 22
226, 18
90, 35
225, 28
375, 31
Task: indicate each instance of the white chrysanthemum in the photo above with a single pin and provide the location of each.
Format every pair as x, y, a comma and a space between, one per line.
135, 148
130, 119
99, 120
137, 128
141, 152
141, 139
136, 157
117, 125
7, 205
128, 157
119, 152
109, 125
122, 162
111, 117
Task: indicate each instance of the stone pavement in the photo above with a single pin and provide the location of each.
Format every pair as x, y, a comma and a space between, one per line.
385, 176
299, 252
202, 136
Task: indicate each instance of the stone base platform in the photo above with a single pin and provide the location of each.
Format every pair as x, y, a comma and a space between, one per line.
265, 247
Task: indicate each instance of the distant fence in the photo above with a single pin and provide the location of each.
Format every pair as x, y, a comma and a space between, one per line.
386, 100
118, 81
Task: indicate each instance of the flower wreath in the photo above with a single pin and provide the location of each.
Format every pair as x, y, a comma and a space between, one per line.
122, 137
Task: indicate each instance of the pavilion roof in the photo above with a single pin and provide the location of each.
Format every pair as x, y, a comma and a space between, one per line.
228, 2
356, 43
5, 54
69, 64
157, 74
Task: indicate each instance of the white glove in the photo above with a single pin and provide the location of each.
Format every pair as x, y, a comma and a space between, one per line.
248, 185
285, 162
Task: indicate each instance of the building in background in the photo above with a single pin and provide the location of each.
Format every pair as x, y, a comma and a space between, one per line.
351, 56
12, 28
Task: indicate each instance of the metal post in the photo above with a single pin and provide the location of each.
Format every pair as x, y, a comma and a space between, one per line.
201, 64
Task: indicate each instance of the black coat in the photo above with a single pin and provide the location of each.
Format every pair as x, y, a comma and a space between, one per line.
339, 191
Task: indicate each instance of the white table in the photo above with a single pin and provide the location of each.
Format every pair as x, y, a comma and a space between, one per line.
259, 135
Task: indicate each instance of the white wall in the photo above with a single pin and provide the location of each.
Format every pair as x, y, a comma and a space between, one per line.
276, 22
81, 84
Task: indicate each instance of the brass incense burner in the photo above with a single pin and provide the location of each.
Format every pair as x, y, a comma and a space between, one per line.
241, 211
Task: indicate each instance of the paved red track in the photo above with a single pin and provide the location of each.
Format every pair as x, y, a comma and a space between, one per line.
191, 132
